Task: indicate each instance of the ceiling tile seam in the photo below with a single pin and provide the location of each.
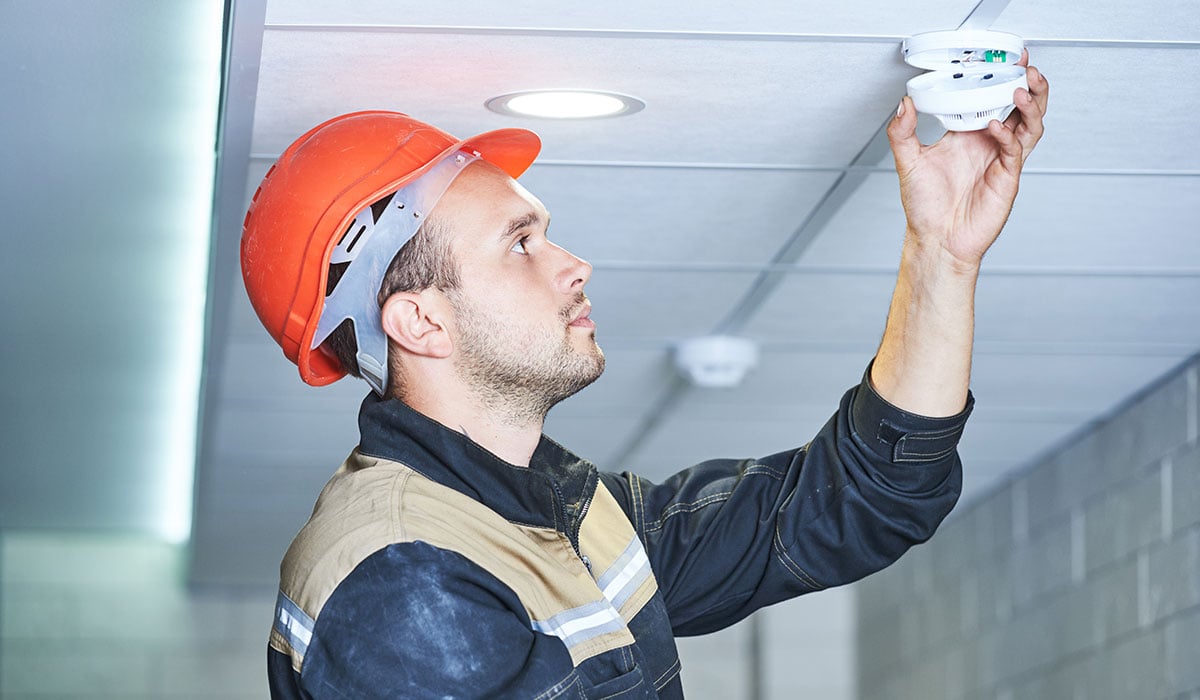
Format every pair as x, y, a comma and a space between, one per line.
700, 35
798, 167
984, 14
797, 269
586, 33
658, 409
810, 227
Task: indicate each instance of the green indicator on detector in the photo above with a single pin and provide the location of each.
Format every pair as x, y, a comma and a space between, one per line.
995, 56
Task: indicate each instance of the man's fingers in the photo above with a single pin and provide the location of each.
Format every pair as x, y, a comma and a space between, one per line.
1039, 87
1011, 150
1024, 59
1031, 105
902, 134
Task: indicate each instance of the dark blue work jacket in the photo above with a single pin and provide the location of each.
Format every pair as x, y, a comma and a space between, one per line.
431, 568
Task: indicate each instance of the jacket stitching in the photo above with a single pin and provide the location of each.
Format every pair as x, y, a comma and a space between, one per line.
623, 692
764, 469
922, 457
558, 688
686, 508
399, 481
693, 506
672, 671
791, 566
639, 518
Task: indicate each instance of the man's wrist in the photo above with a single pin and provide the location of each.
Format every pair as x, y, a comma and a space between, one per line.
928, 256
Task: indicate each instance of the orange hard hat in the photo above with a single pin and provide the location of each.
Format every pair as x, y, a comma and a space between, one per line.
316, 189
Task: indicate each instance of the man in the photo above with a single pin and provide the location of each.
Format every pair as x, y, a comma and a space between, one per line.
460, 553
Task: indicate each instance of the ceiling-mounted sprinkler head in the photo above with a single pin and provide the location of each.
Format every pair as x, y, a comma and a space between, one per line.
716, 361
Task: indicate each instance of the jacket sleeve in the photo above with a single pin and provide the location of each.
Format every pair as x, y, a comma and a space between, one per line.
727, 537
415, 621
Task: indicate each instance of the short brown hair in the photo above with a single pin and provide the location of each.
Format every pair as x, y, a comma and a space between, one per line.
424, 261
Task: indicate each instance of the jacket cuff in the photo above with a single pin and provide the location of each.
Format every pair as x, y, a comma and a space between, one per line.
900, 437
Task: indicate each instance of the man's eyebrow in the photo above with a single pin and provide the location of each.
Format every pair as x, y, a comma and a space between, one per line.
521, 222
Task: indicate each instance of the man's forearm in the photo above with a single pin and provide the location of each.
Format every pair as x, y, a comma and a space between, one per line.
924, 361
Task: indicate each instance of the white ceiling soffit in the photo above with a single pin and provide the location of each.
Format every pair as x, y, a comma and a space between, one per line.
754, 194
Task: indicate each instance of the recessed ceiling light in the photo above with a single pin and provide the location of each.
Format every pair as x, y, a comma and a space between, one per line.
565, 104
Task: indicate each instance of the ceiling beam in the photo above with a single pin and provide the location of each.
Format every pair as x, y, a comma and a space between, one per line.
239, 90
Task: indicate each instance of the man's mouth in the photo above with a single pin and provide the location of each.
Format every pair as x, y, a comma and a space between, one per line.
583, 318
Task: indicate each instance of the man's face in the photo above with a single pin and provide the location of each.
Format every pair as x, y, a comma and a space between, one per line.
524, 340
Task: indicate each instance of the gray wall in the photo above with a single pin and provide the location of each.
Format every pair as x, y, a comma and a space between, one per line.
1079, 578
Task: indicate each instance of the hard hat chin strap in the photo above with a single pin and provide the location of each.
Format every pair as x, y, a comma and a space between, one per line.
369, 246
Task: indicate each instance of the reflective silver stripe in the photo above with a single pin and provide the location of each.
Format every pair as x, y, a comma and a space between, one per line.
293, 623
626, 574
580, 624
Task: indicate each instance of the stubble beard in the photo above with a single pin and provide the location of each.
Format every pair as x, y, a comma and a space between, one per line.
521, 376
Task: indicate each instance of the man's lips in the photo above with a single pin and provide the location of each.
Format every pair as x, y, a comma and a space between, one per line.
583, 318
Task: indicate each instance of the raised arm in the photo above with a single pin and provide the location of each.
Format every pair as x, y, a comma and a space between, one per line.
957, 194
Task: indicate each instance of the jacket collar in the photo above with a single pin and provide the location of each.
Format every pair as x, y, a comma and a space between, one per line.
553, 491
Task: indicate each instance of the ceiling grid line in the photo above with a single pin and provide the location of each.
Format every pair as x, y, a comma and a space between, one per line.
798, 167
684, 35
803, 269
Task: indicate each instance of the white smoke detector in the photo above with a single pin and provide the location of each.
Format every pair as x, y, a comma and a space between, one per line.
714, 361
972, 76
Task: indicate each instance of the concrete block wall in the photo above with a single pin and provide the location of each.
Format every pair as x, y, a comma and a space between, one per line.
1079, 578
104, 617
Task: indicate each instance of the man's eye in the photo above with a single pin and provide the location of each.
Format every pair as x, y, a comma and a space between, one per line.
519, 246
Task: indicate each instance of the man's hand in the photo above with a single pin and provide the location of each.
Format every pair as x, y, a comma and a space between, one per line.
957, 193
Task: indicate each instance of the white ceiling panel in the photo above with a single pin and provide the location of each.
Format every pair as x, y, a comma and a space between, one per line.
783, 383
815, 308
1017, 442
632, 377
811, 307
1059, 221
705, 100
1152, 20
774, 16
1061, 386
679, 442
1137, 117
281, 435
662, 305
256, 374
1089, 310
650, 215
597, 439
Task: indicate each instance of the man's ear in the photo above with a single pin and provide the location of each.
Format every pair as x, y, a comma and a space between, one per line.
417, 322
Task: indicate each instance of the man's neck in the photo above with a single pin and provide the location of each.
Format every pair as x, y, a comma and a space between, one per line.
497, 431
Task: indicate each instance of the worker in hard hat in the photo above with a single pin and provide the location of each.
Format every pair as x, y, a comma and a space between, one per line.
458, 551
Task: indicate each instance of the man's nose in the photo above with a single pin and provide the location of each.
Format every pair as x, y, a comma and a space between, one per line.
575, 272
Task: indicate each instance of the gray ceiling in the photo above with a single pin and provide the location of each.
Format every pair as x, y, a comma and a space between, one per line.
753, 195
